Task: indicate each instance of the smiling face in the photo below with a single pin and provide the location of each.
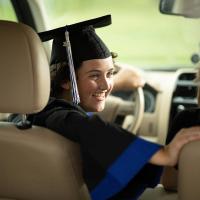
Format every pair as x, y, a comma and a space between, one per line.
95, 82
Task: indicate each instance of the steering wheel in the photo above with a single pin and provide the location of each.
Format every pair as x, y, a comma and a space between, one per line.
133, 121
127, 113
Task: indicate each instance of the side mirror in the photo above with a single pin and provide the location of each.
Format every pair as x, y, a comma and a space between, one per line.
185, 8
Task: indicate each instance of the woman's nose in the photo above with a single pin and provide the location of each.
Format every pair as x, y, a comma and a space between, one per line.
104, 84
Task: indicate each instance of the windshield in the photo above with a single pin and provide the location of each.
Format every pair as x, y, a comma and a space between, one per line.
140, 34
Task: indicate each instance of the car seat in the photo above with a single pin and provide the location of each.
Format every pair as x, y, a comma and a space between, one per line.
181, 184
35, 163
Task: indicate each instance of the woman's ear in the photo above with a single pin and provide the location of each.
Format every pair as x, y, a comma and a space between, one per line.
66, 85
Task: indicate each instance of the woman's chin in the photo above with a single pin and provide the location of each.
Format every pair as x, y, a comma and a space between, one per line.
93, 106
100, 107
97, 108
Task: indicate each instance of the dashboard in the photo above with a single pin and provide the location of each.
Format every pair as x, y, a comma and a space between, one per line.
165, 94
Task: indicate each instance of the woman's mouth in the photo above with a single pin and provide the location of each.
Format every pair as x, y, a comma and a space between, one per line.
99, 96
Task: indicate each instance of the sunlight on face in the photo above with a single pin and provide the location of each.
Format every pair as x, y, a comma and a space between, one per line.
95, 82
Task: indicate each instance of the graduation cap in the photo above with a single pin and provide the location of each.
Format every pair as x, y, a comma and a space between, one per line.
76, 43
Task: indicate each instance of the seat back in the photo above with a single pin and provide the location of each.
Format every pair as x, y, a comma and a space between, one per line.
169, 179
189, 172
35, 163
186, 180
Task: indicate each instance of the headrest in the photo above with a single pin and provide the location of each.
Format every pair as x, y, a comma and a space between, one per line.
24, 70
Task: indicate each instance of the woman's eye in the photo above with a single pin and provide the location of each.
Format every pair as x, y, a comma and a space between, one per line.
110, 74
94, 76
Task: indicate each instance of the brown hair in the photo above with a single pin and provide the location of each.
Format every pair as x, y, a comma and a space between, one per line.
59, 74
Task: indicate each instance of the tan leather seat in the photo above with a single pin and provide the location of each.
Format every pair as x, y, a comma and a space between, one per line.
35, 163
183, 184
189, 172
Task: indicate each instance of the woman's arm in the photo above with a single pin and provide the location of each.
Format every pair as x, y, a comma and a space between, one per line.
168, 155
128, 79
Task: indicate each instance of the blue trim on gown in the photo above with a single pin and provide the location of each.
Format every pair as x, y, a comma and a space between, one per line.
125, 168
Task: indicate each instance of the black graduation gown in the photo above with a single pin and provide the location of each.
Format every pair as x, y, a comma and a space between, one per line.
115, 162
184, 119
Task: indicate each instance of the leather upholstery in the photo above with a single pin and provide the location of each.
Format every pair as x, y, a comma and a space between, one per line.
24, 75
189, 172
35, 163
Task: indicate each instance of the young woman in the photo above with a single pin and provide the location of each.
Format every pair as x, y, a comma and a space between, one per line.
116, 163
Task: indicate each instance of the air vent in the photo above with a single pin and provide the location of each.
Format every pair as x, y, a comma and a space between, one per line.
187, 77
184, 95
186, 87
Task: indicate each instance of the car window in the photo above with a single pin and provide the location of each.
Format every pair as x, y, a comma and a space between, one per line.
7, 11
140, 34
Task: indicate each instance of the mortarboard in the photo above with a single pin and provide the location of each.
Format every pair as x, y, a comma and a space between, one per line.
76, 43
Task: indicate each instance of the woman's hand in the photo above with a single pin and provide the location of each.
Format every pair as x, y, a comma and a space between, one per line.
168, 155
